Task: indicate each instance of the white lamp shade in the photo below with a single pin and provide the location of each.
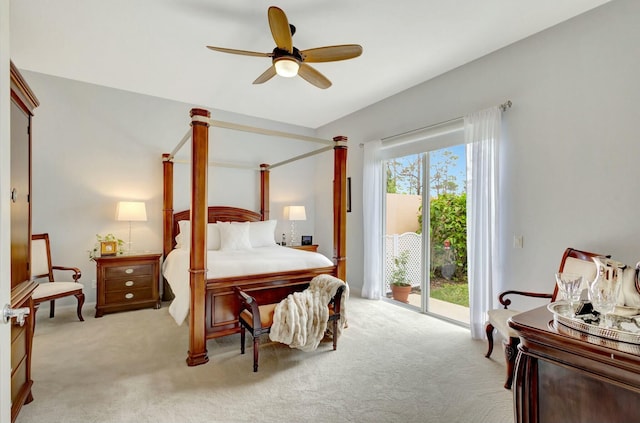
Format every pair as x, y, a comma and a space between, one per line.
132, 211
295, 213
286, 67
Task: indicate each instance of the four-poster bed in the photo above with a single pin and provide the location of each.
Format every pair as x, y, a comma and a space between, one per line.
213, 304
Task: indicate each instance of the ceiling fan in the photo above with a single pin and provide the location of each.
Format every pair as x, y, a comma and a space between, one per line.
288, 61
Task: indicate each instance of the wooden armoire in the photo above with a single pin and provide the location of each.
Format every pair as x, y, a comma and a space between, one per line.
23, 102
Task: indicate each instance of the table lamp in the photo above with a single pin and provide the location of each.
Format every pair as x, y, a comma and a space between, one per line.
131, 211
294, 213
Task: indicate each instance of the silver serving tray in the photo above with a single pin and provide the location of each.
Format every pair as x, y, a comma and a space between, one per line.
625, 323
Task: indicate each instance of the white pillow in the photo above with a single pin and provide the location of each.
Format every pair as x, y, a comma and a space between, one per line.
262, 234
183, 239
234, 236
213, 236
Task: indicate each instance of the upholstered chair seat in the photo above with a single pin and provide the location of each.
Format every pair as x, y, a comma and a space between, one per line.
49, 289
266, 316
499, 319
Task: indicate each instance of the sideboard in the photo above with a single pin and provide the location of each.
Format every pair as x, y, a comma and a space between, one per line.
564, 375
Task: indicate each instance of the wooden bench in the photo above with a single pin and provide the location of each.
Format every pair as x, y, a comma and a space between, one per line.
258, 319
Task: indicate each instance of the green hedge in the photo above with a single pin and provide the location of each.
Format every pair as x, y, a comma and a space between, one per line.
448, 223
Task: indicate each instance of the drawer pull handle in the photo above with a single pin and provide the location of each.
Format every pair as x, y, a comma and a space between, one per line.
128, 283
128, 271
128, 295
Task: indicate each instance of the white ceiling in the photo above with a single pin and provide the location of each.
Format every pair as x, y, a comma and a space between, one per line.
157, 47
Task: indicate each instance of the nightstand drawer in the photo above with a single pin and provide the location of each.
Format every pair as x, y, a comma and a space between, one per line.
126, 271
127, 284
130, 296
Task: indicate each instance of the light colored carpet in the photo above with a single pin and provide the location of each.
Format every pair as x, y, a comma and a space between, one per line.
391, 365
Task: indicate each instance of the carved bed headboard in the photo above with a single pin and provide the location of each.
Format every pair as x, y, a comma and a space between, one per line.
216, 214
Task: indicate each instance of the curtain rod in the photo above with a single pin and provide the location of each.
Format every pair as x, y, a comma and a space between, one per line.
435, 125
503, 107
506, 105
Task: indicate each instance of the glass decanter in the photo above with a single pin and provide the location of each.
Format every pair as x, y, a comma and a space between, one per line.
604, 290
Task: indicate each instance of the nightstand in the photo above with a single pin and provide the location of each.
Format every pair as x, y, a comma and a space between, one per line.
313, 247
127, 282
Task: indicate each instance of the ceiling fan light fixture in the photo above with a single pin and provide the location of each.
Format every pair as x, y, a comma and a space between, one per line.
287, 60
286, 67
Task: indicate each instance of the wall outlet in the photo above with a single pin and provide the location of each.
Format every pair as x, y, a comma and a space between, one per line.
94, 284
518, 241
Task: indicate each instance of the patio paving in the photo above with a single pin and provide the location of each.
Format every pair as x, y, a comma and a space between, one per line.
443, 308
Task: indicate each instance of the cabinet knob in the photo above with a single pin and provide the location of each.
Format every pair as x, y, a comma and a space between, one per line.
128, 295
128, 283
128, 271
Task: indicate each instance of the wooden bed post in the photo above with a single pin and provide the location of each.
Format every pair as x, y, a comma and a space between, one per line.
264, 191
197, 270
340, 206
167, 219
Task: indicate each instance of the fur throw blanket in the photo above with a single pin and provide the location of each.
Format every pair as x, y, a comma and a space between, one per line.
300, 320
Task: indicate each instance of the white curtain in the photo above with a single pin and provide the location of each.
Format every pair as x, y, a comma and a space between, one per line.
372, 192
482, 135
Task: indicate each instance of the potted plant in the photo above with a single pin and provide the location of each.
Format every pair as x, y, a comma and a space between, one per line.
400, 284
106, 238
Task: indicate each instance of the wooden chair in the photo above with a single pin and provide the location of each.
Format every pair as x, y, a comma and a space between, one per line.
52, 289
258, 319
573, 261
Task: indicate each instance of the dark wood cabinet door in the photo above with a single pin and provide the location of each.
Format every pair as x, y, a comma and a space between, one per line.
20, 195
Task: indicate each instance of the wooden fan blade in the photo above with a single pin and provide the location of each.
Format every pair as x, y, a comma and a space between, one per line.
312, 76
242, 52
331, 53
266, 75
280, 29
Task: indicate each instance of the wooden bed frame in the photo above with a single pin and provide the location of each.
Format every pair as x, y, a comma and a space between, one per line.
214, 305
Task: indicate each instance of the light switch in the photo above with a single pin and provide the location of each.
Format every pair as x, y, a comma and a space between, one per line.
517, 241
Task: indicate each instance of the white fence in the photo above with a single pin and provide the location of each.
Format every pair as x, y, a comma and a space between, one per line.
394, 246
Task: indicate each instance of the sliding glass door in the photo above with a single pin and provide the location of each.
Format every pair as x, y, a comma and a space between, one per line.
426, 251
447, 239
403, 227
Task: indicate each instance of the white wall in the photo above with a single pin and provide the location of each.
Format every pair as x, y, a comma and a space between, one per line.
94, 146
402, 211
569, 157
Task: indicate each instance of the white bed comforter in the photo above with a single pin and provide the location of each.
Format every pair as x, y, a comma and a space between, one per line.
221, 264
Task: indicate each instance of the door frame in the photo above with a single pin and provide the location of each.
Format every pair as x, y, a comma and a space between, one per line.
425, 287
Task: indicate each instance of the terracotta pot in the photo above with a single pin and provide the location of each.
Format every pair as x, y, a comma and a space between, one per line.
401, 293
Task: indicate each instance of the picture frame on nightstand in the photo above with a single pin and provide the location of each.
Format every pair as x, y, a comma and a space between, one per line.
108, 248
306, 240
